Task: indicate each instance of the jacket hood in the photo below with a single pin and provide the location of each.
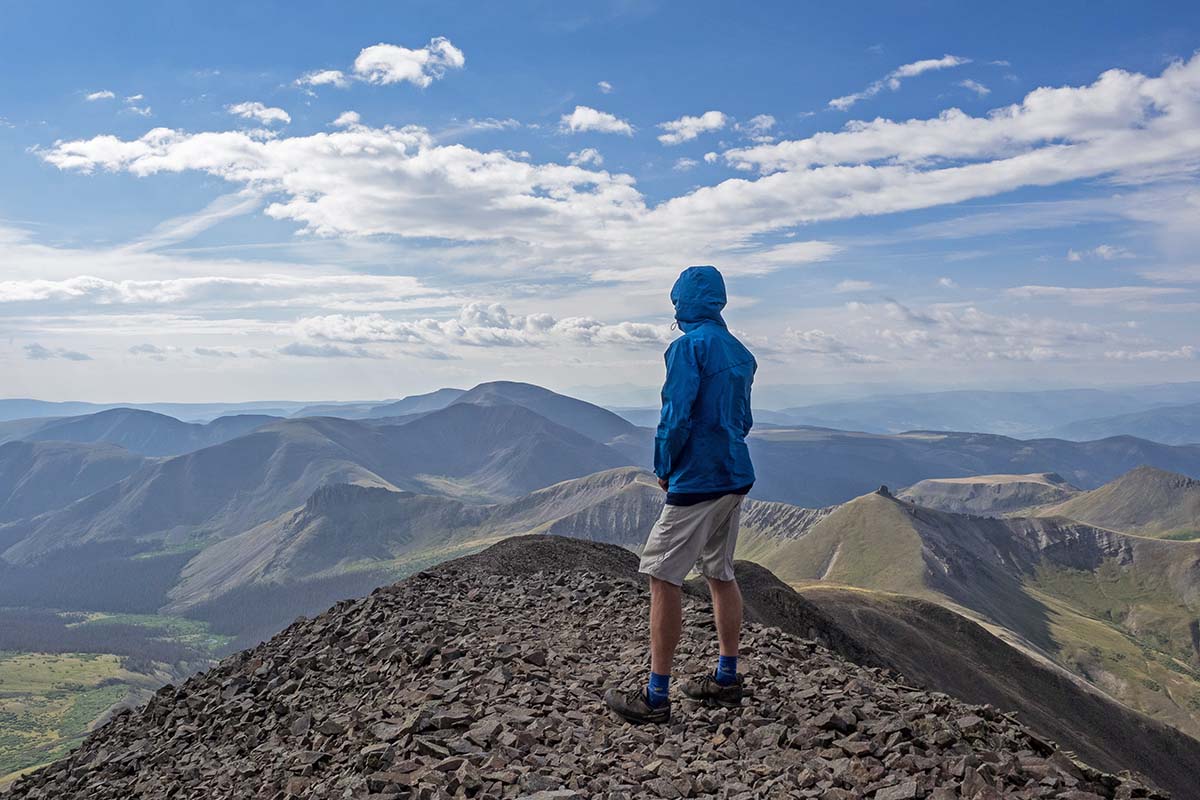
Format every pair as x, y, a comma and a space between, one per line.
699, 296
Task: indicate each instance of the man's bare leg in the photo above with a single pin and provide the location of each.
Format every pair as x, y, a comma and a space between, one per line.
666, 623
727, 610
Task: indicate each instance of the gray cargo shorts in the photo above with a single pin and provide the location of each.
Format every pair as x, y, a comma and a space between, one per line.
703, 535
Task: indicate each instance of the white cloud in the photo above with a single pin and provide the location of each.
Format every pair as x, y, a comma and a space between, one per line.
947, 283
1104, 252
584, 118
135, 98
324, 77
684, 164
687, 128
347, 119
228, 293
389, 63
309, 350
141, 111
480, 325
976, 87
402, 182
1184, 353
894, 78
588, 155
711, 158
258, 111
103, 94
605, 87
847, 286
757, 129
36, 352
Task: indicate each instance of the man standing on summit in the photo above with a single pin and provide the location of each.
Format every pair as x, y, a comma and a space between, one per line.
703, 465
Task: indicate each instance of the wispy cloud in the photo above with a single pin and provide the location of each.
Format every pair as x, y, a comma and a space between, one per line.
103, 94
897, 76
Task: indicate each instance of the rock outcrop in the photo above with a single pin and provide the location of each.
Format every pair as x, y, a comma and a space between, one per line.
482, 678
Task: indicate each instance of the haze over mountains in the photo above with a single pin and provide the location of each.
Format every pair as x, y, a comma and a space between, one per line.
241, 523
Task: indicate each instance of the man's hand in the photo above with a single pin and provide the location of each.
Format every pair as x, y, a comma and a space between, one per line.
663, 484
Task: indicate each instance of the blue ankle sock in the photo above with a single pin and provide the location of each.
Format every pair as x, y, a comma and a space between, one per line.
726, 670
656, 692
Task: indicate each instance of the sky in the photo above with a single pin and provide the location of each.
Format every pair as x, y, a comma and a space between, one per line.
236, 201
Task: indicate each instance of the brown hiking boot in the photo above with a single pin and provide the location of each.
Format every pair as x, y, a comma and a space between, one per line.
632, 706
706, 689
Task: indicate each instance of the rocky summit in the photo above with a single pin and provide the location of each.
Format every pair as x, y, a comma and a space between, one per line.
483, 678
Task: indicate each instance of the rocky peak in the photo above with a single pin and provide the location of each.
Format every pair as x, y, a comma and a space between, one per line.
483, 677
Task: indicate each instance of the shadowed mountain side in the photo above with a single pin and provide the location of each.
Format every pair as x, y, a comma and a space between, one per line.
146, 432
816, 467
484, 452
1145, 501
344, 528
942, 650
1170, 425
39, 476
990, 495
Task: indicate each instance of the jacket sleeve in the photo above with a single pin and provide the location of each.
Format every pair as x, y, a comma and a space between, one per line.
678, 395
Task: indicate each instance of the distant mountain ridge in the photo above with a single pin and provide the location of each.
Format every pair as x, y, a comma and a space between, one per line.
144, 432
1169, 424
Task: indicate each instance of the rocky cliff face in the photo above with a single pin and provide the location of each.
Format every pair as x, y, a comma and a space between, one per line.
483, 678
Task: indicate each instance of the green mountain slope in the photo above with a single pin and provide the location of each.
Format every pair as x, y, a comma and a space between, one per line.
1123, 612
1145, 501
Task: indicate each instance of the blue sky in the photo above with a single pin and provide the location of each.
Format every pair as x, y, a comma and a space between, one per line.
207, 201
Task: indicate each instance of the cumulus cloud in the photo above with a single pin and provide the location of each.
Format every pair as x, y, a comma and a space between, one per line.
37, 352
684, 164
687, 128
480, 325
258, 111
401, 181
894, 78
347, 119
585, 118
588, 155
605, 87
103, 94
309, 350
389, 63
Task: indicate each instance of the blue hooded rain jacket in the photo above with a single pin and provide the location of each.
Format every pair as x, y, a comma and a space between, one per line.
700, 446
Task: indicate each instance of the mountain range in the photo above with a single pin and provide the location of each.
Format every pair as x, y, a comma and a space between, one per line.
1033, 554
